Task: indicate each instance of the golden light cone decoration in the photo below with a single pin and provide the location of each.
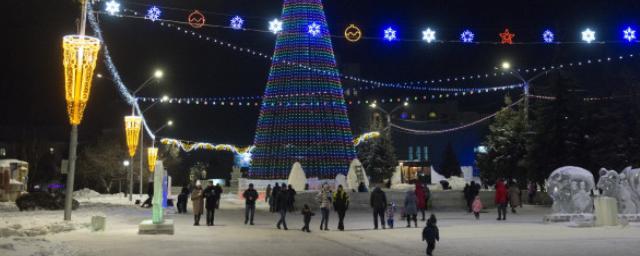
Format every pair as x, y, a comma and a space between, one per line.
152, 156
79, 61
132, 126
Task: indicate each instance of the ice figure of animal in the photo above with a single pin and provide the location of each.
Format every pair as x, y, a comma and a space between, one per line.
569, 187
619, 186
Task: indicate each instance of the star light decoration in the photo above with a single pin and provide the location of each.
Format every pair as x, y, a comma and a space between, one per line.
314, 29
588, 35
547, 36
467, 36
275, 26
629, 34
506, 37
390, 34
112, 7
236, 23
428, 35
153, 13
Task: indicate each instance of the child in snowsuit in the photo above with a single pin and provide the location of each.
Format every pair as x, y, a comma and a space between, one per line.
391, 210
476, 206
431, 234
307, 213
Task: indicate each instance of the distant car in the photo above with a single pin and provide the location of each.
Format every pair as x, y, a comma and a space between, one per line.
43, 200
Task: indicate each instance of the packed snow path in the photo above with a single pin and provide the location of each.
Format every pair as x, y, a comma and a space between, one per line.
461, 234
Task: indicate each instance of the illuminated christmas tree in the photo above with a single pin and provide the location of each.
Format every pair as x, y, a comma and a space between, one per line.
303, 117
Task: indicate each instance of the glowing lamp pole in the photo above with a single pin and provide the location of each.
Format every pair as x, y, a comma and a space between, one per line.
79, 60
526, 83
152, 156
132, 125
389, 113
157, 75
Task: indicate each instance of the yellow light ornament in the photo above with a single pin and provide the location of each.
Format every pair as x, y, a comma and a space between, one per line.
152, 156
132, 126
79, 61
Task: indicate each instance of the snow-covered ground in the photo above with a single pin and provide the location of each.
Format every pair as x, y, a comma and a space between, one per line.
522, 234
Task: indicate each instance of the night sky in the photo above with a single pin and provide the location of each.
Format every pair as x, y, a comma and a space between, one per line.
32, 79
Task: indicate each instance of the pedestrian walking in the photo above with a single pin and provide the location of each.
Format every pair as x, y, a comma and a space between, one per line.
183, 197
378, 202
274, 197
391, 213
250, 196
267, 194
340, 205
421, 199
218, 189
325, 199
411, 208
531, 191
431, 234
476, 207
196, 200
501, 200
292, 198
515, 195
307, 214
210, 200
282, 201
467, 196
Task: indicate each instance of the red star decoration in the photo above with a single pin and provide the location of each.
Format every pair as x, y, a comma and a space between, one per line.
507, 38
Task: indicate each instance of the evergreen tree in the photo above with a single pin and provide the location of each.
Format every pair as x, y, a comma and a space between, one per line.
506, 146
558, 126
450, 164
378, 156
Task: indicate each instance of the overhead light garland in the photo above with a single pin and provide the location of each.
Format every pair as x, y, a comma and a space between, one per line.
409, 85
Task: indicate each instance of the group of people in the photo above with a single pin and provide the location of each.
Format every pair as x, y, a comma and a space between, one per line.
208, 198
286, 195
415, 201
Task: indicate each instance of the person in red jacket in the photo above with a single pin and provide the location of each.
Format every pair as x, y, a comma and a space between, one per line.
501, 200
421, 198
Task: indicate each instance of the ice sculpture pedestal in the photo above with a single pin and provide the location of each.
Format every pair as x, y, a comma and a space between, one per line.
606, 211
157, 224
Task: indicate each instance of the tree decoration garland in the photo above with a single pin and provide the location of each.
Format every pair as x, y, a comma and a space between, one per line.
196, 19
311, 129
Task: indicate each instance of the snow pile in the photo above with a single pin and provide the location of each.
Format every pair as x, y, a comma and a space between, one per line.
85, 192
52, 228
456, 183
35, 247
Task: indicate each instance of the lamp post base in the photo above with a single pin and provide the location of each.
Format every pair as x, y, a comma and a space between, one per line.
147, 227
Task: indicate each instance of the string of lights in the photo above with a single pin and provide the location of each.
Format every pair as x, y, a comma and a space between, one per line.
113, 71
373, 84
254, 101
453, 129
503, 36
587, 99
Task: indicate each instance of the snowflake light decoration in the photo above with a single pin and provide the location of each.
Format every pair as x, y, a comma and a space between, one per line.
588, 35
153, 13
629, 34
112, 7
314, 29
547, 36
428, 35
390, 34
467, 36
275, 26
236, 22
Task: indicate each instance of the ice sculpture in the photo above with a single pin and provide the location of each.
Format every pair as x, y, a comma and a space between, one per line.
569, 187
624, 187
297, 178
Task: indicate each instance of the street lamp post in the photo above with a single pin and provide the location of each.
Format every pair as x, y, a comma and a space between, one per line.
389, 113
156, 75
526, 84
79, 60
